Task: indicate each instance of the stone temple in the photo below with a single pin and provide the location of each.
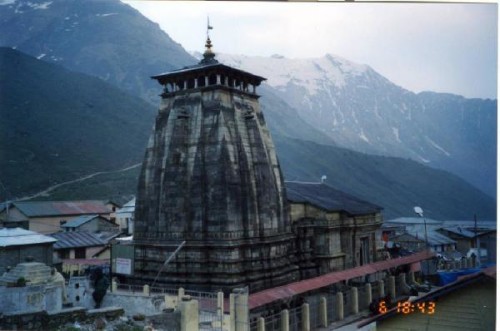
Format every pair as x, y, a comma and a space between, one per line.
211, 178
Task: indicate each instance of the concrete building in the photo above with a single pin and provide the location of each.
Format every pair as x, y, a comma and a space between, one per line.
16, 245
469, 237
211, 178
77, 245
125, 217
415, 241
47, 216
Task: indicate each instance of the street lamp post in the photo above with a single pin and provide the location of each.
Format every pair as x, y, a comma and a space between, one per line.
420, 213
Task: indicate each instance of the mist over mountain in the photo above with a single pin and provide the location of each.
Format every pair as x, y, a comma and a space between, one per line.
93, 126
363, 111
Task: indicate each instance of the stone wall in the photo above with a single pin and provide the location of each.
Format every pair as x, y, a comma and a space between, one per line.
43, 320
30, 298
211, 177
80, 294
136, 303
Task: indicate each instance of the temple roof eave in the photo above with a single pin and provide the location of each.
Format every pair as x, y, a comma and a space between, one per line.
196, 70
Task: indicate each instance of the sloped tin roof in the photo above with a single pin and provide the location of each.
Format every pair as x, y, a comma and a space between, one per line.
76, 239
434, 237
61, 208
328, 198
460, 231
78, 221
19, 237
412, 220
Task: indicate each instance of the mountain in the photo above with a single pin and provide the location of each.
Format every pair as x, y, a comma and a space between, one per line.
57, 125
394, 183
114, 42
363, 111
106, 39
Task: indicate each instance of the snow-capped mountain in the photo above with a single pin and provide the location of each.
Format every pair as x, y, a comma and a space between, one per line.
362, 110
111, 41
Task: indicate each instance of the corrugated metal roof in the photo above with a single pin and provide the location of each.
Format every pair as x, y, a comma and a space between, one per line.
282, 292
61, 208
19, 237
328, 198
481, 224
475, 303
76, 239
433, 237
412, 221
460, 231
77, 221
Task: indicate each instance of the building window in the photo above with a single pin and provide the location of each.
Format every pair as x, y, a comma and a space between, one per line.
64, 254
80, 253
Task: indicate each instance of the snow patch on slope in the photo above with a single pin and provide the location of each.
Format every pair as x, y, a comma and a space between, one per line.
312, 74
436, 146
105, 15
364, 137
43, 5
7, 2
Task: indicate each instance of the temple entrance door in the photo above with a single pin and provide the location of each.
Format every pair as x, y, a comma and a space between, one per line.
364, 251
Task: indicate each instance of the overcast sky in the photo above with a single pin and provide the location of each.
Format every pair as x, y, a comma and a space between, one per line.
421, 47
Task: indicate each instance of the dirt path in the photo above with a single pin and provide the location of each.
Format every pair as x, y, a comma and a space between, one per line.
50, 189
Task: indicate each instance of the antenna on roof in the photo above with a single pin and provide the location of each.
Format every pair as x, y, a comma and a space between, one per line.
419, 211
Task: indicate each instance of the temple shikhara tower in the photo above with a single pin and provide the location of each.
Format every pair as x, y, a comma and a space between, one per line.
211, 178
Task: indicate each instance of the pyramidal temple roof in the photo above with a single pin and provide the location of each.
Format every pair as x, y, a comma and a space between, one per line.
208, 64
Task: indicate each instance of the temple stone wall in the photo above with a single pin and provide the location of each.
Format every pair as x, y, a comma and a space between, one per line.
212, 169
211, 177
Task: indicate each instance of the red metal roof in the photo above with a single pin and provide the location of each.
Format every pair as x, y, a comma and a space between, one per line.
267, 296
